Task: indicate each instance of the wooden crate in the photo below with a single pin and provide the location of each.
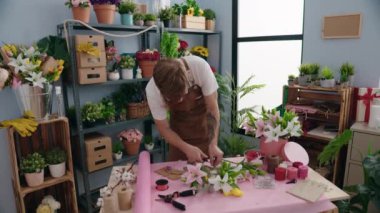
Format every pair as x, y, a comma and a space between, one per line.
194, 22
92, 75
99, 152
49, 134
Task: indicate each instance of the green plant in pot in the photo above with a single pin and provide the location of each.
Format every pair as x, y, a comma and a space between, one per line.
138, 19
150, 19
126, 9
91, 114
117, 150
347, 72
108, 110
119, 100
327, 78
32, 166
56, 159
305, 74
166, 15
148, 143
210, 19
169, 45
291, 80
126, 64
81, 10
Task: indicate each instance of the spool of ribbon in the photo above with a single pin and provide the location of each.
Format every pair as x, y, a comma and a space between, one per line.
273, 162
280, 174
162, 184
124, 197
303, 172
297, 164
292, 173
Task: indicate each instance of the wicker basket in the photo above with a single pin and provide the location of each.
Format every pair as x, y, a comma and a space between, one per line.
138, 110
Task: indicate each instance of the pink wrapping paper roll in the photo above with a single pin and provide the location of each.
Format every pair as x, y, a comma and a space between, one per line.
142, 202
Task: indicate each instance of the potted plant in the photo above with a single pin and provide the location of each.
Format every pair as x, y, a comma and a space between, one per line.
314, 71
105, 10
177, 17
108, 111
126, 64
165, 15
56, 159
126, 9
131, 140
91, 114
80, 9
148, 143
169, 45
210, 19
150, 19
291, 79
117, 150
327, 78
113, 75
347, 72
138, 19
147, 61
33, 168
135, 97
305, 74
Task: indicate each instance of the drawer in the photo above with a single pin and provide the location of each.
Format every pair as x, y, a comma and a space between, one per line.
99, 161
355, 174
360, 144
92, 75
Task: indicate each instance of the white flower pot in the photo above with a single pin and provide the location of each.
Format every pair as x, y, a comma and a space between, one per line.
149, 147
117, 156
113, 76
127, 74
34, 179
328, 83
302, 80
351, 80
57, 170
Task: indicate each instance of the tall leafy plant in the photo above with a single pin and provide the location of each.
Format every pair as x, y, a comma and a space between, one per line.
169, 45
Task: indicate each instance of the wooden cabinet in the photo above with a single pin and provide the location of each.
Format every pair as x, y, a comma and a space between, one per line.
49, 134
324, 113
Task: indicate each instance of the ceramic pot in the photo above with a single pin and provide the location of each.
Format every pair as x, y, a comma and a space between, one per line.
147, 68
81, 14
113, 76
150, 23
105, 13
166, 23
57, 170
34, 179
328, 83
272, 147
302, 80
210, 25
351, 80
126, 19
149, 147
127, 73
291, 83
139, 23
132, 148
117, 156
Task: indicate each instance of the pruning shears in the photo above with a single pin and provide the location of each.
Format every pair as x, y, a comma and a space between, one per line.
170, 198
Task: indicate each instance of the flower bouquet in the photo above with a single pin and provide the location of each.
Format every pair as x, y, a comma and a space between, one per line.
200, 51
131, 139
273, 130
31, 73
182, 50
147, 61
224, 178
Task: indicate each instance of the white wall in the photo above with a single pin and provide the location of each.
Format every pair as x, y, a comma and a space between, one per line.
364, 53
25, 21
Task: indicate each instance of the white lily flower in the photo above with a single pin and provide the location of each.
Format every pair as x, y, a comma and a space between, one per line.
99, 203
272, 134
19, 64
105, 191
37, 79
31, 52
220, 184
238, 168
128, 177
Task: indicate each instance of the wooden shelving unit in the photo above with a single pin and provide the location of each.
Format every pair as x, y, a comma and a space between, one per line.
49, 134
316, 138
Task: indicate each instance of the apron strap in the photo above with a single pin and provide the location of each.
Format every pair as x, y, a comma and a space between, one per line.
189, 73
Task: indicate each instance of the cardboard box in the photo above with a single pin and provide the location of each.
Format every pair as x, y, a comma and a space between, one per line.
194, 22
92, 75
99, 152
96, 40
85, 60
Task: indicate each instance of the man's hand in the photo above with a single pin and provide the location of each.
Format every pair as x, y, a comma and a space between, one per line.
194, 154
216, 155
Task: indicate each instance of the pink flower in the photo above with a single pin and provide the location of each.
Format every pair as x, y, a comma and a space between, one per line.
275, 116
194, 173
16, 83
260, 126
248, 128
75, 3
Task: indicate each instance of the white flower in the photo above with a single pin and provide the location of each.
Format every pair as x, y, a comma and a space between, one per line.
293, 128
238, 168
128, 177
37, 79
99, 202
51, 202
105, 191
19, 64
31, 52
220, 184
272, 134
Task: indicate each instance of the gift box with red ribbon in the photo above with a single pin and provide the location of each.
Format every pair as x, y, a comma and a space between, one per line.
366, 97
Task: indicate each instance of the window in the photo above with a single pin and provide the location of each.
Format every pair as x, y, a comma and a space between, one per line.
267, 43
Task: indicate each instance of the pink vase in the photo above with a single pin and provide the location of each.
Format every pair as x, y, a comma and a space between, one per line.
272, 147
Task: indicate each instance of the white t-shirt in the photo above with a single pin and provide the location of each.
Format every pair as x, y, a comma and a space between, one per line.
203, 77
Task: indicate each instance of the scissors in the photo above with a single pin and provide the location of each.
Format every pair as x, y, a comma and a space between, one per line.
170, 198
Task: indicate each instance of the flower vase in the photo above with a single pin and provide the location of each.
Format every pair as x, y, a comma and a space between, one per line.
105, 13
126, 19
127, 73
81, 14
272, 147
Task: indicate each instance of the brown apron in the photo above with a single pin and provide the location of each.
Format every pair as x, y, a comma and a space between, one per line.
188, 119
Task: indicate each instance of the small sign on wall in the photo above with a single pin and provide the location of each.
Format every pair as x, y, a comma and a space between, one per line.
342, 26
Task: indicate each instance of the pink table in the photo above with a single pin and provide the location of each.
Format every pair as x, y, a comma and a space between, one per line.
254, 200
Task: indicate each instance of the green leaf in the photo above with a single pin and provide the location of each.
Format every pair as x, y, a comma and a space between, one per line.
331, 150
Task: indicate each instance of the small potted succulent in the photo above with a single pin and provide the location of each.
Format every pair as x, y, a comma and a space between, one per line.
126, 9
105, 10
138, 19
291, 79
150, 19
91, 114
305, 74
56, 159
210, 19
80, 9
147, 61
347, 72
33, 168
166, 15
131, 140
126, 64
108, 111
314, 71
117, 150
327, 78
148, 143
